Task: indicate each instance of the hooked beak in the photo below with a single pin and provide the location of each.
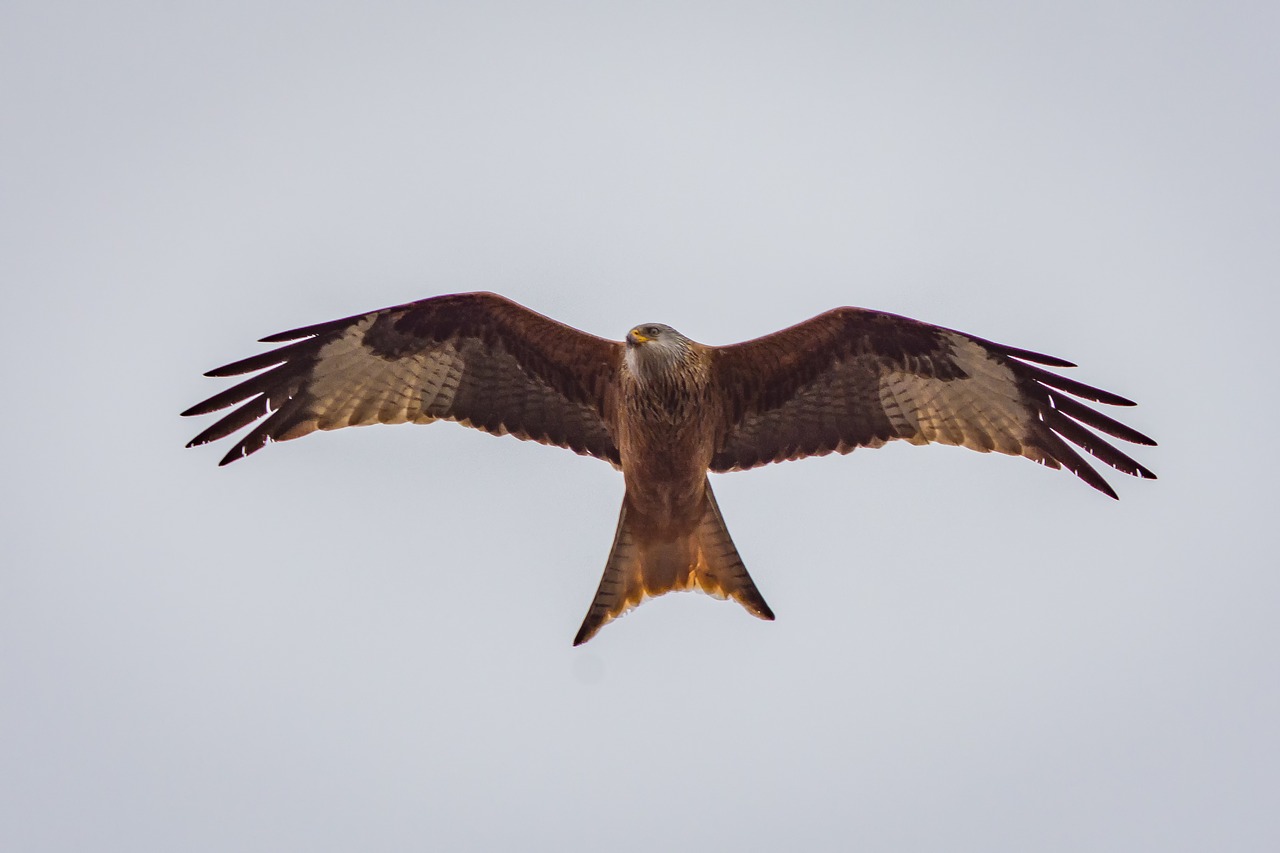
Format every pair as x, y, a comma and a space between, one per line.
636, 337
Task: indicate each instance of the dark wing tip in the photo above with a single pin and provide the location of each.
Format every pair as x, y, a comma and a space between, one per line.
1076, 464
263, 360
1143, 439
244, 365
1071, 386
285, 337
1016, 352
314, 329
1067, 418
1037, 357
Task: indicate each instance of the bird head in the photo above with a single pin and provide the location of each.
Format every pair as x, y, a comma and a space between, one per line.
655, 348
650, 333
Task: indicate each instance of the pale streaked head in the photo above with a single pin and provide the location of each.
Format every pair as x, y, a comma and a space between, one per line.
656, 348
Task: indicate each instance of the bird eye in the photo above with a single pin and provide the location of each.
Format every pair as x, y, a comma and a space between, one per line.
652, 332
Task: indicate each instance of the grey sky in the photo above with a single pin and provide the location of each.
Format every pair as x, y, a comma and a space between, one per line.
361, 640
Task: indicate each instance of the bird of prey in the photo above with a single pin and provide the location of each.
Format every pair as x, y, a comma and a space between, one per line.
666, 410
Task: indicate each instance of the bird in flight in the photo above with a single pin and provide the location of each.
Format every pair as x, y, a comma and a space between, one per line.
666, 410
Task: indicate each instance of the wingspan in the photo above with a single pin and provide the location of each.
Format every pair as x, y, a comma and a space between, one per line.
854, 378
475, 358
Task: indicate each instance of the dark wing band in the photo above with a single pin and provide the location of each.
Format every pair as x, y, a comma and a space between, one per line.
475, 358
854, 378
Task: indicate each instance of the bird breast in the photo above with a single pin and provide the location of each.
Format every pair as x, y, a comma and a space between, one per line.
666, 444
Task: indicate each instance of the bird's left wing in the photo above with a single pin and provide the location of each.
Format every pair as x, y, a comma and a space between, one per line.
854, 378
475, 358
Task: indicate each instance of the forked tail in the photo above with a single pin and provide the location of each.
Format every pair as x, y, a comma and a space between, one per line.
640, 569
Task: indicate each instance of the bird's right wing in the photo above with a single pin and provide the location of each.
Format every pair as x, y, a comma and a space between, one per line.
475, 358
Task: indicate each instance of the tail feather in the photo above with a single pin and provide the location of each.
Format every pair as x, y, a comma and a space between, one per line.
637, 570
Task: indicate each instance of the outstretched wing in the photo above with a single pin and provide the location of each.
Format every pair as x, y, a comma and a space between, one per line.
854, 378
475, 358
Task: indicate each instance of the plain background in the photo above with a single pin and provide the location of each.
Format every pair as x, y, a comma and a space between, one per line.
361, 641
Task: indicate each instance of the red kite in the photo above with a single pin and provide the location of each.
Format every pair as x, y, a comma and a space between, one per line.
665, 410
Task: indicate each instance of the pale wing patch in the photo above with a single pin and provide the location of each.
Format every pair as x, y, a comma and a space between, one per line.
983, 411
354, 387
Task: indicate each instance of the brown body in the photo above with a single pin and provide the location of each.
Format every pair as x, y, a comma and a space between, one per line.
664, 451
666, 410
667, 425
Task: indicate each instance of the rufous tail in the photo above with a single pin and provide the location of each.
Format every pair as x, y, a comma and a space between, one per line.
638, 570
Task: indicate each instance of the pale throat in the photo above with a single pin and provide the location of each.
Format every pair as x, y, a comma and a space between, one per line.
650, 363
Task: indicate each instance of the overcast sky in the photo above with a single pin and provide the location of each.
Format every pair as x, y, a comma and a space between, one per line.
361, 640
